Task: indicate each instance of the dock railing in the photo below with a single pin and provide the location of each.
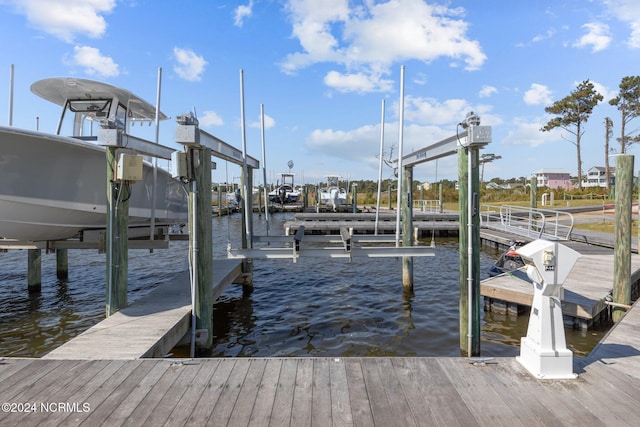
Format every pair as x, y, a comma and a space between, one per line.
432, 206
528, 222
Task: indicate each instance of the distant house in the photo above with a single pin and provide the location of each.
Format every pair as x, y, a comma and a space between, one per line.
596, 177
553, 179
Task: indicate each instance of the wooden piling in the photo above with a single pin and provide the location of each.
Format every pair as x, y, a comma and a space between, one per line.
622, 230
201, 241
117, 237
533, 193
34, 270
469, 327
407, 228
62, 263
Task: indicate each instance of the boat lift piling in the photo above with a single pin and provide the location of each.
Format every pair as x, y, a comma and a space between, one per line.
468, 180
200, 147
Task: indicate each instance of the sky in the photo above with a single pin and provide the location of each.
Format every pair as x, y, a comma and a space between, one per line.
322, 69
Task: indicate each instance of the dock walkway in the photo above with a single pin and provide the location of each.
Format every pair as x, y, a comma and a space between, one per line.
402, 391
150, 327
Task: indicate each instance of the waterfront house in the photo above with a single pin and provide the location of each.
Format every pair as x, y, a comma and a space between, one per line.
553, 179
596, 177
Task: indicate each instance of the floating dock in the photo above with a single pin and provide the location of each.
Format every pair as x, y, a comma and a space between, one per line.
399, 391
149, 327
424, 224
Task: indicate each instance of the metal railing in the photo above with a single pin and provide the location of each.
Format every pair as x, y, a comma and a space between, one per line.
431, 206
528, 222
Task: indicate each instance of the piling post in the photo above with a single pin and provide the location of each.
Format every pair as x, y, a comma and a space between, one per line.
117, 237
407, 229
62, 263
469, 191
533, 199
622, 229
440, 197
34, 270
354, 195
201, 241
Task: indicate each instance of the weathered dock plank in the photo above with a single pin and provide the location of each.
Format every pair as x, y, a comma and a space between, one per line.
379, 391
149, 327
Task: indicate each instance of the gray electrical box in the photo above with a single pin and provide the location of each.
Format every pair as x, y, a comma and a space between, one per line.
129, 167
179, 165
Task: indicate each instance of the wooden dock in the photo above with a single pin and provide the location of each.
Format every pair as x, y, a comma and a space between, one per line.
149, 327
327, 391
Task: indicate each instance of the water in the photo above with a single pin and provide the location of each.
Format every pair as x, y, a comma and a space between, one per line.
315, 307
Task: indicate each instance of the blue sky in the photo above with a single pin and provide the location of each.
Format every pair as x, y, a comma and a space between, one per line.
322, 68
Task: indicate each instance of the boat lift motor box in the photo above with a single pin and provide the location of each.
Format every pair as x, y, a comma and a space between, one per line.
129, 167
544, 350
179, 168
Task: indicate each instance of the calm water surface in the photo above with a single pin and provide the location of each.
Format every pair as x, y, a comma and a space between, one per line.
314, 307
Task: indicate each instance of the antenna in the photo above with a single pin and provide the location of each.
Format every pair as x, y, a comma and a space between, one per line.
290, 164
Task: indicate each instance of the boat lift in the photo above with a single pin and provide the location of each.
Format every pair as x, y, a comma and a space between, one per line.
344, 245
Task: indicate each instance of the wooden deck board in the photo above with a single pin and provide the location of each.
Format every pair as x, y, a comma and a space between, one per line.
380, 391
263, 405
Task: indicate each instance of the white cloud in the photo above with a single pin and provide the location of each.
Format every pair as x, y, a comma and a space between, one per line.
210, 118
190, 66
357, 82
66, 18
269, 122
598, 37
627, 11
527, 132
432, 112
487, 91
538, 95
368, 38
242, 12
94, 62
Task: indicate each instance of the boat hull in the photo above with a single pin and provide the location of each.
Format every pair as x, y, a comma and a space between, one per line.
54, 187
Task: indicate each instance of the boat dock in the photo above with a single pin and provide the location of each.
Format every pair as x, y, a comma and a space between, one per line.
424, 224
400, 391
149, 327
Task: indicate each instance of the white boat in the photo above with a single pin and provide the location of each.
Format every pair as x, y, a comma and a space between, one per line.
54, 187
286, 192
333, 195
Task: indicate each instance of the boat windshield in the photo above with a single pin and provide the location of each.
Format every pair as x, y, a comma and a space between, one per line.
86, 112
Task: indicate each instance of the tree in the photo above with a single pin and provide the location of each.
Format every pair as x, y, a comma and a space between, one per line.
571, 112
608, 125
487, 158
628, 103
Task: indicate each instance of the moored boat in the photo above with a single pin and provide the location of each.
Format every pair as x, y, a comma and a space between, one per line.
54, 187
332, 195
509, 261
